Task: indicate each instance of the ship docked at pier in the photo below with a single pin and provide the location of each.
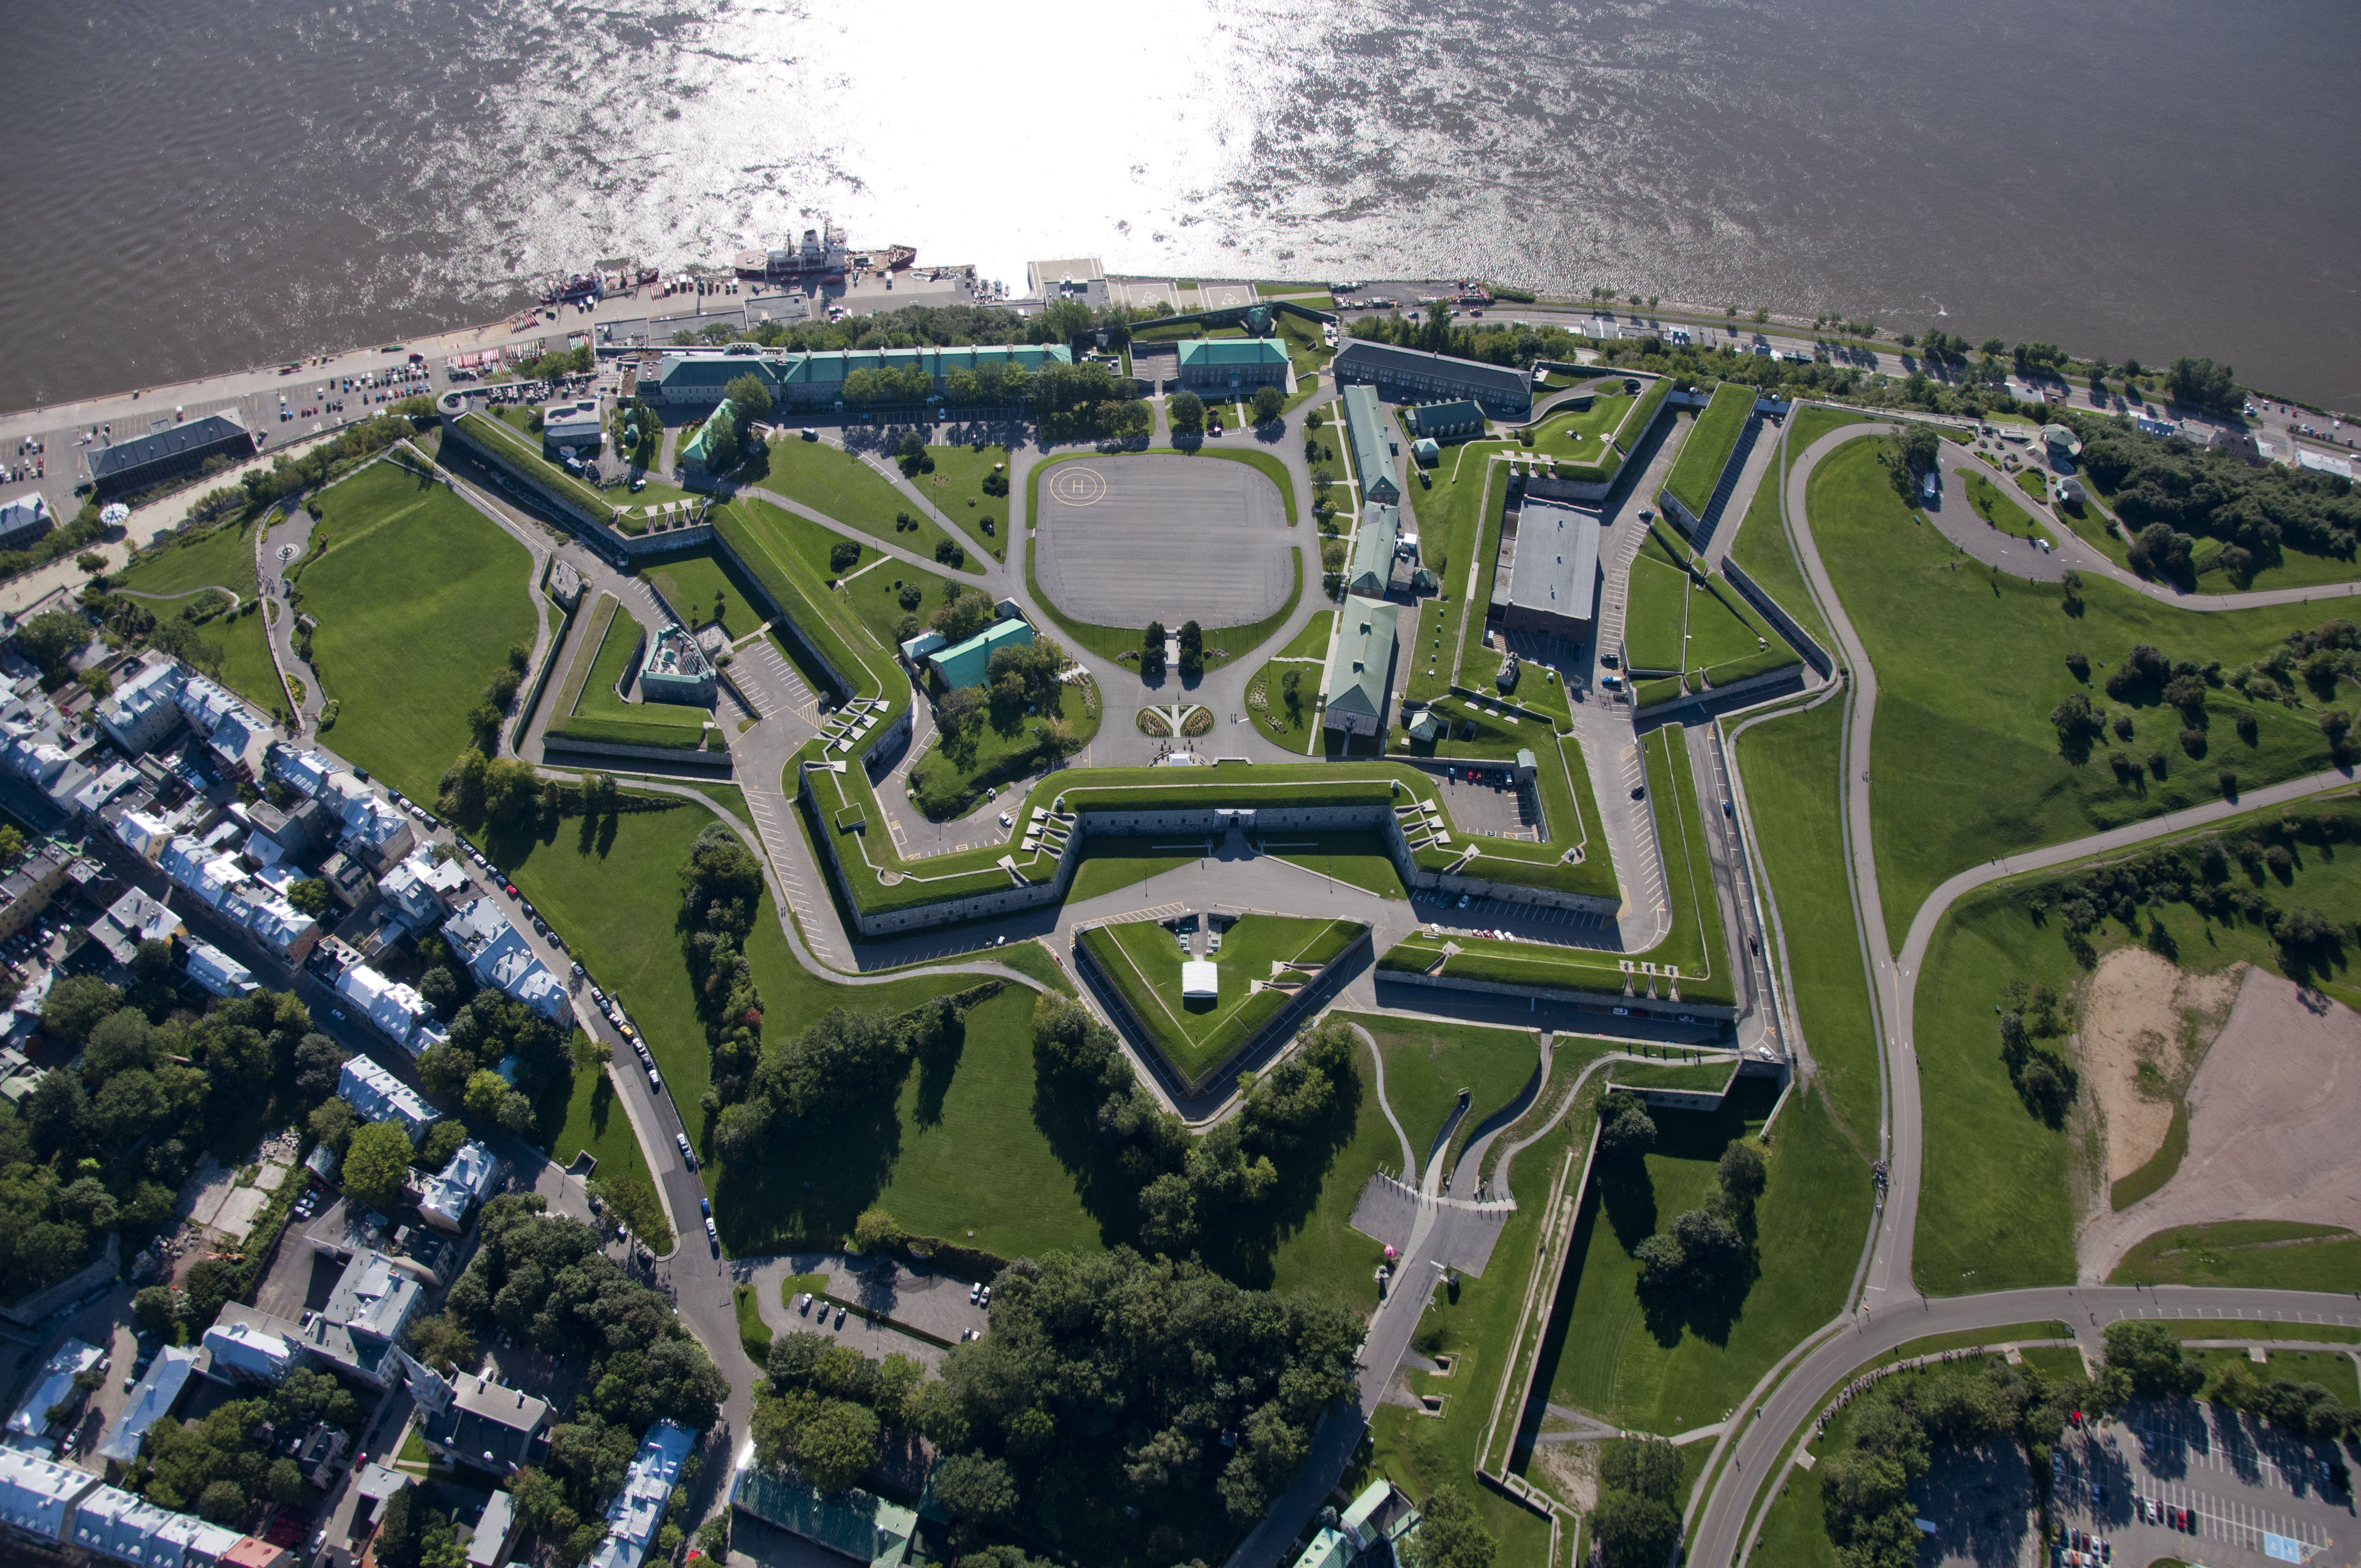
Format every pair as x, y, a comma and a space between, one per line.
823, 256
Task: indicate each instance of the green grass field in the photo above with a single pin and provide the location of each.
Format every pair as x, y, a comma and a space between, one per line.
1323, 1255
415, 581
1358, 859
246, 666
1449, 537
1969, 663
223, 557
1428, 1063
1996, 1210
1581, 435
1144, 961
1696, 942
1763, 548
2332, 1370
1672, 1368
1706, 453
831, 480
879, 595
1290, 727
598, 700
1655, 629
1312, 642
1791, 767
1986, 500
954, 773
614, 897
704, 588
956, 486
2269, 1254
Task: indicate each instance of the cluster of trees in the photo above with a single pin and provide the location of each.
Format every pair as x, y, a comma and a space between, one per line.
1192, 651
257, 488
1156, 1385
1968, 391
1909, 457
720, 897
1896, 1424
1151, 651
1186, 411
556, 363
932, 326
828, 1412
544, 1279
1709, 1250
221, 1466
2306, 1409
2030, 1018
841, 1062
1493, 345
1638, 1521
1087, 402
2192, 492
2201, 383
489, 1028
104, 1144
1188, 1186
2199, 873
2145, 677
491, 709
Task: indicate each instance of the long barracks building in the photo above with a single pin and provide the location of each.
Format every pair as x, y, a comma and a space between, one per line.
1414, 375
816, 379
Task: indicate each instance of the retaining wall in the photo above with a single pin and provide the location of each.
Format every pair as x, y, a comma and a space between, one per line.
1786, 624
1561, 993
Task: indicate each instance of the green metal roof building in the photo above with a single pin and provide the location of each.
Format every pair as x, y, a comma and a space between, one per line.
863, 1527
1360, 670
1224, 363
1367, 429
1371, 568
697, 451
970, 664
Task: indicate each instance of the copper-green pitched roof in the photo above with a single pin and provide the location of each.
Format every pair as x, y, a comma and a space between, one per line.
1209, 352
1358, 669
699, 446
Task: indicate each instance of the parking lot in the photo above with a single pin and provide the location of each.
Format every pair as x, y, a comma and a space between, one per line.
2252, 1495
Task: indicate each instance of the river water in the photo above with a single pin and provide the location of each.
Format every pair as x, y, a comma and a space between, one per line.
198, 185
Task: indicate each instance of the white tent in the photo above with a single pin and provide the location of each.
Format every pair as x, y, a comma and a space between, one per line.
1199, 978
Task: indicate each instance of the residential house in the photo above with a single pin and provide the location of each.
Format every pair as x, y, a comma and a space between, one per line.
379, 1096
140, 714
638, 1510
499, 956
486, 1426
470, 1178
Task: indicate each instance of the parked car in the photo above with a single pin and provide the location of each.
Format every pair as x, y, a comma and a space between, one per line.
685, 1152
712, 1236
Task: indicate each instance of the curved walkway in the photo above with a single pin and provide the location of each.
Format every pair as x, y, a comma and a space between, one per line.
1889, 1298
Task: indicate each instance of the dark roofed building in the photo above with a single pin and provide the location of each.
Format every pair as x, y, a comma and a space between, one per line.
1409, 375
1554, 580
175, 452
1458, 421
487, 1425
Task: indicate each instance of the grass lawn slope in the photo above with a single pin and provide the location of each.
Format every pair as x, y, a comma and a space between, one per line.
1971, 664
1672, 1364
419, 597
831, 480
1196, 1036
1707, 452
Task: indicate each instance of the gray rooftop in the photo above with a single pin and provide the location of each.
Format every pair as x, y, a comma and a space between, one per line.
1556, 568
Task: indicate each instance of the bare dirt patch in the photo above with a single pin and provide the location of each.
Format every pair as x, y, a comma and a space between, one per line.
2145, 1026
2270, 1119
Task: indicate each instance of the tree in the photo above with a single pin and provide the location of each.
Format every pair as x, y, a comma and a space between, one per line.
1741, 1175
1453, 1536
210, 1282
836, 1445
12, 846
2150, 1354
965, 616
875, 1229
2200, 383
1626, 1130
1151, 651
444, 1341
749, 395
1633, 1531
1192, 651
1187, 412
1268, 403
74, 1007
977, 1492
376, 1161
483, 1092
155, 1309
51, 637
311, 895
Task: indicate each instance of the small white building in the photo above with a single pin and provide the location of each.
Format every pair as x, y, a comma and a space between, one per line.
420, 889
216, 971
574, 425
250, 1351
397, 1009
639, 1509
1201, 980
500, 957
52, 1386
